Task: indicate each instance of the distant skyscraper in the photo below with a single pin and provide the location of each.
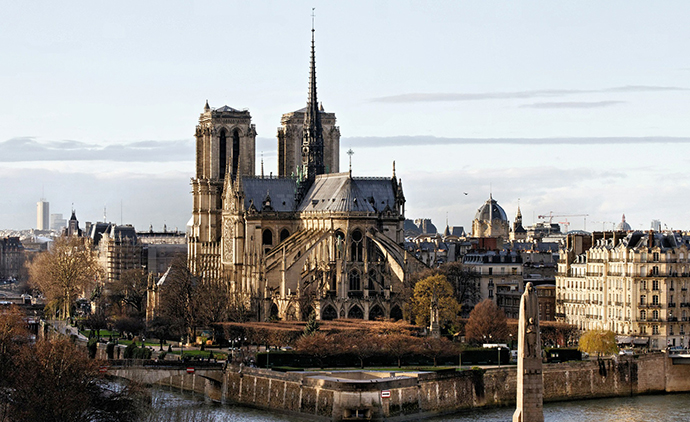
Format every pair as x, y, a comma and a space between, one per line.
656, 225
42, 215
57, 223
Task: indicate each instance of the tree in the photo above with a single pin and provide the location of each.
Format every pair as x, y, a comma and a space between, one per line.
55, 381
557, 333
465, 282
63, 273
601, 342
129, 292
319, 345
312, 324
399, 346
486, 321
425, 291
433, 348
361, 344
179, 301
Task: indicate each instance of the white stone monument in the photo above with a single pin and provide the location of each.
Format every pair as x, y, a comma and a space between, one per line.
530, 382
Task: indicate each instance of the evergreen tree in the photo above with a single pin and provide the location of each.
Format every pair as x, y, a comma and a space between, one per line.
312, 325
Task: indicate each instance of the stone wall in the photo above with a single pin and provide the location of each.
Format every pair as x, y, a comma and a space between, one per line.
341, 395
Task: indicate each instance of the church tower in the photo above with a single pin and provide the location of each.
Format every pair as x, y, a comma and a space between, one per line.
225, 149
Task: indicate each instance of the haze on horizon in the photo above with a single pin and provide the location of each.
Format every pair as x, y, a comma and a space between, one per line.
570, 108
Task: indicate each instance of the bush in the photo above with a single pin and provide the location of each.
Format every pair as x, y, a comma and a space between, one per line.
92, 347
134, 352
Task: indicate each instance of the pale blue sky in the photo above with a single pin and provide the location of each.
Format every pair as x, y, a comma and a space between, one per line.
525, 76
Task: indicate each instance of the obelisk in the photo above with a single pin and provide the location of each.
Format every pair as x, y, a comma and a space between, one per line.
530, 383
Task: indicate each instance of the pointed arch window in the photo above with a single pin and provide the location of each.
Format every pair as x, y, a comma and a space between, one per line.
223, 154
355, 284
235, 152
356, 247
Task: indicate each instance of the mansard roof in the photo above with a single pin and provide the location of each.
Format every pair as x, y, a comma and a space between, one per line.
341, 193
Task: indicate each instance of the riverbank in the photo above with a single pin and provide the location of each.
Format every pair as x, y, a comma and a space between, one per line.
401, 395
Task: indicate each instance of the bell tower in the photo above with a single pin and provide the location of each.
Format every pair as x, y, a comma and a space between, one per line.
225, 148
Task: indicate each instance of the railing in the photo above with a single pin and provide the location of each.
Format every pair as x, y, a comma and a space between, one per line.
671, 305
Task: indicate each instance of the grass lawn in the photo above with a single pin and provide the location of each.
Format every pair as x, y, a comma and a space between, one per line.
104, 333
199, 353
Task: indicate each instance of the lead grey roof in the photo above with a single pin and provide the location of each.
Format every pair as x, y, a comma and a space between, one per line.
226, 108
341, 193
281, 191
490, 210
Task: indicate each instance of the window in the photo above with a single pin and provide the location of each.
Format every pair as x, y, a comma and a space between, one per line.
643, 329
356, 247
655, 300
491, 270
643, 300
655, 315
223, 159
643, 285
655, 329
655, 284
284, 234
655, 256
354, 281
643, 315
655, 270
491, 293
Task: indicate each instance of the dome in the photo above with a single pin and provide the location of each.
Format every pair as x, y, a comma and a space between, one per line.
491, 211
623, 226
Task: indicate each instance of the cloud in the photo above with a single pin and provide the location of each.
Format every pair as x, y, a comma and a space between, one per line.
27, 148
539, 93
400, 141
573, 104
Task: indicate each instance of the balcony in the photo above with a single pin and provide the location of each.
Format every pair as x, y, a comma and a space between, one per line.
355, 295
684, 305
671, 305
672, 319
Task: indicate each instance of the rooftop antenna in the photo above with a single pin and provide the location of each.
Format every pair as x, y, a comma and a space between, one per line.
121, 212
350, 152
313, 15
262, 164
105, 219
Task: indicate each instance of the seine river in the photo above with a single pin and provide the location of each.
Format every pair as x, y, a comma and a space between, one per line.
177, 407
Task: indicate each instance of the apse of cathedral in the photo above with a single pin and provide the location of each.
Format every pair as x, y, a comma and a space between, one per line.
309, 240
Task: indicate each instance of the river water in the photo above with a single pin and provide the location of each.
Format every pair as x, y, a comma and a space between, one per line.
183, 407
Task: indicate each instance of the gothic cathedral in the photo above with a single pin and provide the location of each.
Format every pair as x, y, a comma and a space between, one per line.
309, 240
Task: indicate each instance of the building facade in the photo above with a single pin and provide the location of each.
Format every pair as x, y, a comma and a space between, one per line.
632, 283
500, 273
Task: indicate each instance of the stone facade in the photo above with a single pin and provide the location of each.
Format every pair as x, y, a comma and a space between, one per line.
290, 136
500, 273
634, 284
318, 242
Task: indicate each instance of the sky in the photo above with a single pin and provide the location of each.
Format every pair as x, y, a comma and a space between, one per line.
571, 108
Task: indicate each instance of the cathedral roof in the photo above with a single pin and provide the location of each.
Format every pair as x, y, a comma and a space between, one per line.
281, 191
341, 193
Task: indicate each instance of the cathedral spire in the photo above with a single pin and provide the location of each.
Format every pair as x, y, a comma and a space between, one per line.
312, 141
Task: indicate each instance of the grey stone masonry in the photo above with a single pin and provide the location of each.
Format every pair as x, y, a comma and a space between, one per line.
530, 381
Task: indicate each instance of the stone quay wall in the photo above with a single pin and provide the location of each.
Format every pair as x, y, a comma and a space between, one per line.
342, 395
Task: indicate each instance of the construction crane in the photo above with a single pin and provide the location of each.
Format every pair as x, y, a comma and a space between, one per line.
551, 216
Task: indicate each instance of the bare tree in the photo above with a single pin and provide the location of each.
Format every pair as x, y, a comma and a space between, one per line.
66, 271
487, 321
129, 292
